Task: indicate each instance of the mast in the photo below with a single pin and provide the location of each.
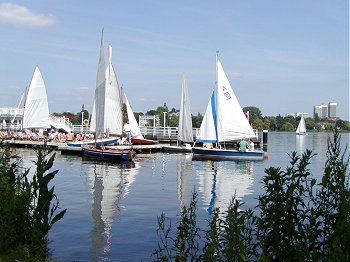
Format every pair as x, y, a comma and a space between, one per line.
14, 117
216, 98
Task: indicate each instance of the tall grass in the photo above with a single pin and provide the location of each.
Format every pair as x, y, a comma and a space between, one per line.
296, 219
28, 207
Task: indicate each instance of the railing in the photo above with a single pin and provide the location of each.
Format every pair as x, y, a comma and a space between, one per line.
61, 122
156, 132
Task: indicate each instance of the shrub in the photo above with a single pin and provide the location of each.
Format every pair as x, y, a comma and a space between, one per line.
296, 219
28, 209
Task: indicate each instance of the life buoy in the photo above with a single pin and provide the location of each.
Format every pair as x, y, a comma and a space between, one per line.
86, 121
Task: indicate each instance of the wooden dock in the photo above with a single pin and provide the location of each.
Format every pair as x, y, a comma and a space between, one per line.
65, 149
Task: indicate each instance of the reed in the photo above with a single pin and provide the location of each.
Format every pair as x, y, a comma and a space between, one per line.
28, 207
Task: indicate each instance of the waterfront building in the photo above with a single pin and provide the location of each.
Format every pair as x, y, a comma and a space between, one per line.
324, 111
317, 111
305, 115
11, 117
332, 110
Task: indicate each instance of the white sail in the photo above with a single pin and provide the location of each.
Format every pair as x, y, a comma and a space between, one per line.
207, 130
36, 109
224, 119
232, 123
185, 132
135, 129
99, 103
93, 118
301, 129
113, 106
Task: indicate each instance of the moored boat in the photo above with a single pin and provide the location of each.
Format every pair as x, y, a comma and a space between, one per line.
108, 153
185, 135
224, 121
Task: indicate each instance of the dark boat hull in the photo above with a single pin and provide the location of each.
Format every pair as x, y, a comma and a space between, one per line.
226, 154
109, 154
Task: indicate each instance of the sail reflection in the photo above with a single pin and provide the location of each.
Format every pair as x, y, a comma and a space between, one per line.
219, 181
109, 184
300, 144
184, 180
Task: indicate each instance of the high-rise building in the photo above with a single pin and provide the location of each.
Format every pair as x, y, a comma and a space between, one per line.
317, 111
324, 109
332, 110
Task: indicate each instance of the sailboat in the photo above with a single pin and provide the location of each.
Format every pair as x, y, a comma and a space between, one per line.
301, 129
104, 87
136, 135
108, 106
224, 121
185, 133
36, 109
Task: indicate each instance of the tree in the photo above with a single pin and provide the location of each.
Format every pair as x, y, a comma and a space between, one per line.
254, 113
197, 120
288, 127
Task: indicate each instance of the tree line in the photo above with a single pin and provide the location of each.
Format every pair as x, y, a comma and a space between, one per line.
257, 120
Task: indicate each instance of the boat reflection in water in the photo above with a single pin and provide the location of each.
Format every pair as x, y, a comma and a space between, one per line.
109, 183
300, 144
184, 180
220, 181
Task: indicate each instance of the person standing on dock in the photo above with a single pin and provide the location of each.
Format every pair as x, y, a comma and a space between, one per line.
127, 130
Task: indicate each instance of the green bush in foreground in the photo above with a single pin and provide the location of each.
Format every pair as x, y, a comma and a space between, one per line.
28, 208
296, 219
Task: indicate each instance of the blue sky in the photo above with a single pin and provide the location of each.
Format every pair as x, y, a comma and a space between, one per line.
280, 56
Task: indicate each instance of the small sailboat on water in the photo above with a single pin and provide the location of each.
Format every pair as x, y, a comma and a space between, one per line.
224, 121
301, 129
185, 133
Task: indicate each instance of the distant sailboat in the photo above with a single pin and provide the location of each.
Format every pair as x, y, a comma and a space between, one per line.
224, 120
301, 129
36, 109
185, 133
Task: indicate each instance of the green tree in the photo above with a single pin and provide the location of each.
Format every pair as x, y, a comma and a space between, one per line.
287, 127
258, 124
254, 113
197, 120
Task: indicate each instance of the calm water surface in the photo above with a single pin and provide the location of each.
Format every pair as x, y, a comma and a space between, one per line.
113, 208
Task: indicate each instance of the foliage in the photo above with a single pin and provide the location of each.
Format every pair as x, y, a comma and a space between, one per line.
272, 123
296, 219
28, 209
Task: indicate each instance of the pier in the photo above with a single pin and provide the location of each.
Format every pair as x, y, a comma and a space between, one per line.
65, 149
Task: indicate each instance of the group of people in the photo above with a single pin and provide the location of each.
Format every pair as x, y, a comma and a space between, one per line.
244, 145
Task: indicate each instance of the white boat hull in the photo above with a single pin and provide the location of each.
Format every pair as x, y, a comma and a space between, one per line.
177, 149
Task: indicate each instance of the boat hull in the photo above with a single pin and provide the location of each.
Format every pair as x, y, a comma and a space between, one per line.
226, 154
142, 141
301, 134
109, 154
177, 149
97, 142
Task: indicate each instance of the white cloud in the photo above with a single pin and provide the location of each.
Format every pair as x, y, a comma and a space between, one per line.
19, 15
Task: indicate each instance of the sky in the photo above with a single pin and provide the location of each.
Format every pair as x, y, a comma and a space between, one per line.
280, 56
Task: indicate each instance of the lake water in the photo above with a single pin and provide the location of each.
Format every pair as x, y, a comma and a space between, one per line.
112, 208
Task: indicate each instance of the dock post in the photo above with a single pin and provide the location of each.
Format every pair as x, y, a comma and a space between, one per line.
265, 138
